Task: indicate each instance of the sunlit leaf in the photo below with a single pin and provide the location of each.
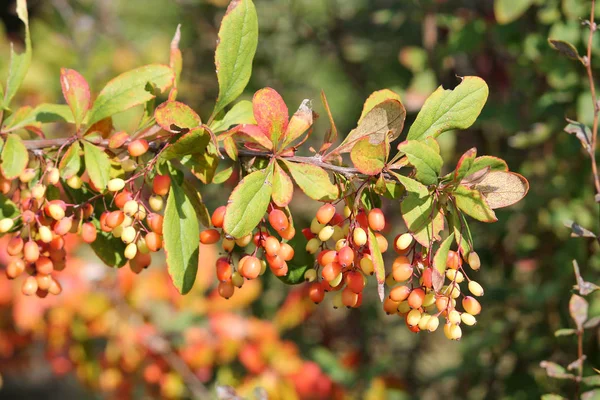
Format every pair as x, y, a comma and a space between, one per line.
271, 113
502, 189
427, 162
173, 116
97, 165
369, 158
19, 62
313, 180
378, 264
472, 203
240, 113
70, 164
507, 11
283, 187
76, 92
578, 308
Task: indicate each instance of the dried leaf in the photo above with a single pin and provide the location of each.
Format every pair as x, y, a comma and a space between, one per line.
578, 308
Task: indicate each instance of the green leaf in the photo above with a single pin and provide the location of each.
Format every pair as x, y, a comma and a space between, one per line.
240, 113
313, 180
369, 158
192, 142
441, 255
552, 396
483, 162
181, 238
248, 203
70, 164
472, 203
76, 92
420, 212
238, 38
14, 157
564, 48
195, 198
378, 265
19, 63
223, 175
129, 90
8, 209
97, 165
450, 109
592, 380
507, 11
565, 332
297, 266
427, 162
203, 165
173, 116
462, 233
283, 187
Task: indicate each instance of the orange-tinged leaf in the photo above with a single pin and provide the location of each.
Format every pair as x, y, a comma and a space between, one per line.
332, 133
173, 116
464, 164
376, 98
175, 61
299, 123
369, 158
249, 132
76, 92
271, 113
578, 308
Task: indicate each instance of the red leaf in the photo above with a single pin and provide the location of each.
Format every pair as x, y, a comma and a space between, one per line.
250, 132
172, 114
77, 93
271, 113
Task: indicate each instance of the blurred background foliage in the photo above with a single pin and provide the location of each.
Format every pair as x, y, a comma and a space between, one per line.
349, 49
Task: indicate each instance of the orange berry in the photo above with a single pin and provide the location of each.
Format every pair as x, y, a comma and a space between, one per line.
210, 236
30, 286
275, 261
103, 225
286, 252
31, 252
281, 271
15, 267
122, 198
316, 292
224, 270
453, 261
390, 306
327, 257
226, 289
381, 242
161, 185
325, 213
400, 293
278, 220
43, 281
416, 297
271, 246
346, 256
44, 266
14, 246
88, 232
153, 241
402, 269
138, 147
115, 218
376, 219
331, 271
441, 303
218, 217
349, 298
155, 222
118, 139
57, 243
55, 287
63, 226
427, 277
288, 233
471, 305
251, 268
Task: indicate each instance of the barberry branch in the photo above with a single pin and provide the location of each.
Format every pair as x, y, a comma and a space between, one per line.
588, 66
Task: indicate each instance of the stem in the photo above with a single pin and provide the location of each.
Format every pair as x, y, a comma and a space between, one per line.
580, 359
588, 67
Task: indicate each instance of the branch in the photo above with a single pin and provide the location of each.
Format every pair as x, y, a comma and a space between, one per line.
588, 67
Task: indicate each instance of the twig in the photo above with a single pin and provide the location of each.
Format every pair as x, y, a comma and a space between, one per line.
588, 66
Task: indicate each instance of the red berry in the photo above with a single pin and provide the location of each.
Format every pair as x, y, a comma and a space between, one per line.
210, 236
416, 297
271, 246
103, 225
400, 293
115, 218
331, 271
346, 256
453, 261
427, 277
286, 251
122, 198
278, 220
316, 292
161, 185
281, 271
355, 281
88, 232
224, 270
153, 241
155, 222
218, 217
349, 298
251, 268
402, 269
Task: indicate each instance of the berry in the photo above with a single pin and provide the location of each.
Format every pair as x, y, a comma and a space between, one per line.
226, 289
137, 147
468, 319
115, 218
115, 184
156, 203
44, 265
244, 241
228, 245
15, 267
30, 286
155, 222
14, 246
400, 293
52, 176
316, 292
326, 233
38, 191
474, 261
63, 226
427, 277
74, 182
88, 232
349, 298
366, 265
355, 281
286, 252
31, 252
161, 185
325, 213
310, 275
381, 242
402, 269
390, 306
359, 237
251, 268
376, 219
288, 233
218, 217
6, 225
331, 271
224, 270
45, 234
433, 324
413, 317
313, 245
210, 236
271, 246
278, 220
130, 251
346, 256
415, 298
316, 226
122, 198
403, 242
453, 261
118, 139
128, 235
153, 241
475, 288
43, 281
471, 305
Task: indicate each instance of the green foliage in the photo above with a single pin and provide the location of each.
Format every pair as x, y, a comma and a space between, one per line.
97, 165
14, 157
